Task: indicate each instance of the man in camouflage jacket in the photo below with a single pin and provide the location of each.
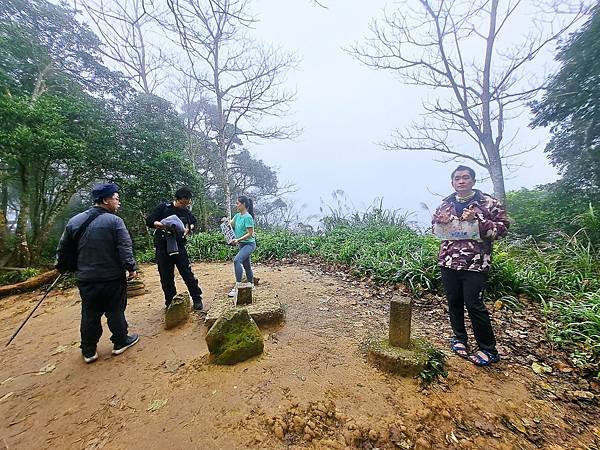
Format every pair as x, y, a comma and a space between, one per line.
465, 263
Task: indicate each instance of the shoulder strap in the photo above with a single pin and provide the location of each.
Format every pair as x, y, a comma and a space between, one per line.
84, 225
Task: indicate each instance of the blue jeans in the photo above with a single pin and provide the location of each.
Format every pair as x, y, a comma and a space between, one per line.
241, 261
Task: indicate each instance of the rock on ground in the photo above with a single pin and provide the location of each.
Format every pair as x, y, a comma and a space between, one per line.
178, 311
234, 337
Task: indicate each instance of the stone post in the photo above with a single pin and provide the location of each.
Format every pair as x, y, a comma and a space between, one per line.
400, 316
243, 294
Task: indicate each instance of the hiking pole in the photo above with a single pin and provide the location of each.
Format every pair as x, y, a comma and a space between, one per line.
31, 313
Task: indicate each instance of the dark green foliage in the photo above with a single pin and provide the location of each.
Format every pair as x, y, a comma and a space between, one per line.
570, 106
548, 211
43, 46
209, 247
153, 166
18, 276
435, 367
390, 255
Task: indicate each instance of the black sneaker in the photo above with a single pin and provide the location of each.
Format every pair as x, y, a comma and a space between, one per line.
198, 305
129, 341
90, 358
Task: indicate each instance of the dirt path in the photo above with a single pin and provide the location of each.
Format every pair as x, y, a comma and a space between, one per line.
313, 374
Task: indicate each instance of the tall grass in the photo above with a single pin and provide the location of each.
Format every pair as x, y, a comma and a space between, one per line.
575, 322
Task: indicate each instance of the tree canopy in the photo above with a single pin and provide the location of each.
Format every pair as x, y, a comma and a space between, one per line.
570, 106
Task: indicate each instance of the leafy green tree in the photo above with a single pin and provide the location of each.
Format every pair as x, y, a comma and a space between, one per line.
548, 211
251, 176
54, 133
570, 106
43, 47
56, 145
153, 137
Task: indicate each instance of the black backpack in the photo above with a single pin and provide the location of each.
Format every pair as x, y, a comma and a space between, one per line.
68, 253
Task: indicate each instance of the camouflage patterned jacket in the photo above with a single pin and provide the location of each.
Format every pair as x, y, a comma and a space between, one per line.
469, 254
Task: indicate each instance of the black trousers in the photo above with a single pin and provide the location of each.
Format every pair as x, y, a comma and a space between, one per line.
465, 288
98, 298
166, 270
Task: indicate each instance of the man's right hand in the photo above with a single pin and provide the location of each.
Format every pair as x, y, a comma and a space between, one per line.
159, 225
442, 218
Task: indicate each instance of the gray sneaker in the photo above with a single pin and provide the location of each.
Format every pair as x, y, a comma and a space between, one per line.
129, 342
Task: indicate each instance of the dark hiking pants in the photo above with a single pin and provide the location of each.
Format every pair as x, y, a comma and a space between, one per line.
102, 298
465, 289
166, 269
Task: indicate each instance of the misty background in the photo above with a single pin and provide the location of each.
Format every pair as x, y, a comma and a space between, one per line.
346, 109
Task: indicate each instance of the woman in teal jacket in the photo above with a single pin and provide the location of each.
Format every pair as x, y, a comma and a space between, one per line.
243, 227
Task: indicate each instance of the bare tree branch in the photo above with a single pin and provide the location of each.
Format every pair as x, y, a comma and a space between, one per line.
242, 82
128, 31
463, 50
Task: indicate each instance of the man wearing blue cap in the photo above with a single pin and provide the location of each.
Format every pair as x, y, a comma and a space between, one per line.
104, 260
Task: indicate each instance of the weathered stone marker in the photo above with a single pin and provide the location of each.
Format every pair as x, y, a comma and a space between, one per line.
399, 353
243, 294
400, 318
178, 311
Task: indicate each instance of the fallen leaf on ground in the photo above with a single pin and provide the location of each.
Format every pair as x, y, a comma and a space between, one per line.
514, 424
540, 368
585, 395
8, 380
59, 349
564, 368
546, 387
7, 396
451, 438
155, 405
46, 369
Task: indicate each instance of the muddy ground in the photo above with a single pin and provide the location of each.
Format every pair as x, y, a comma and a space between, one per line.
312, 387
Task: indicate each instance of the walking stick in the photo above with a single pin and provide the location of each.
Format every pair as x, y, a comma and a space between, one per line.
31, 313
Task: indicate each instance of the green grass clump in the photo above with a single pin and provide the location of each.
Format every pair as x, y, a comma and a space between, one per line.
18, 276
575, 323
435, 367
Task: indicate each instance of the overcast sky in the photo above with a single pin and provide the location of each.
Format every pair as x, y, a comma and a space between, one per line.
345, 109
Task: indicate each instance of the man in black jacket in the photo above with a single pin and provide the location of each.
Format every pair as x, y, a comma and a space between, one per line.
104, 257
167, 262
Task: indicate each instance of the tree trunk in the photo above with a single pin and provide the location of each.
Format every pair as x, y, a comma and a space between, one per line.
497, 176
38, 239
203, 213
221, 136
226, 187
3, 218
23, 256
